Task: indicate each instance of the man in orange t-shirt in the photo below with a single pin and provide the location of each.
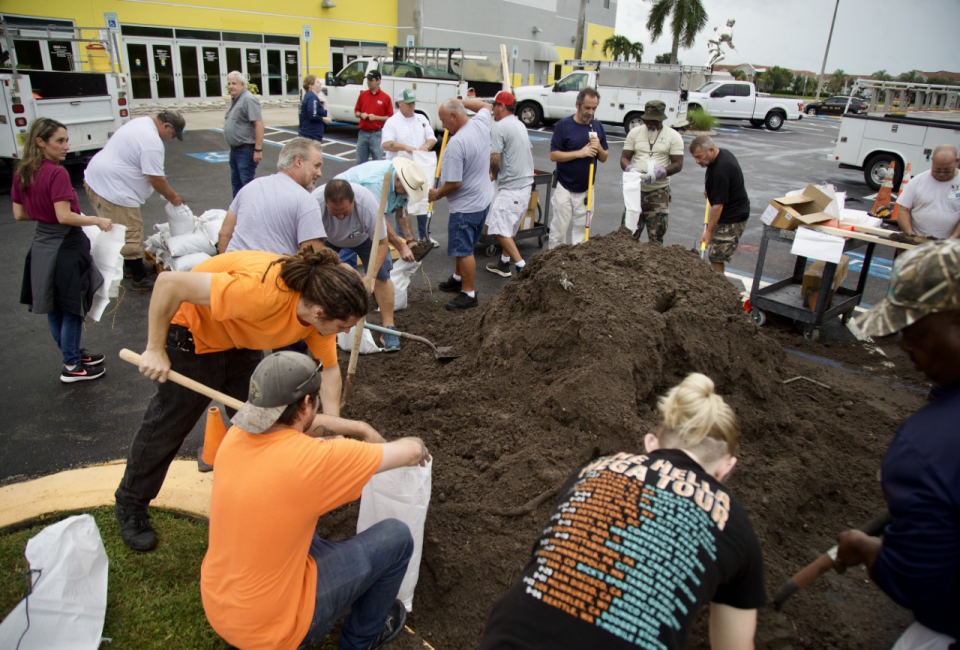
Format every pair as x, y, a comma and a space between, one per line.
268, 581
211, 325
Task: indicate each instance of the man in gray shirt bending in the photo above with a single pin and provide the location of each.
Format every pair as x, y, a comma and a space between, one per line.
465, 181
276, 213
243, 131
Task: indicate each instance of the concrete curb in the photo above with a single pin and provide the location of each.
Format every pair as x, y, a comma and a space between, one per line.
185, 490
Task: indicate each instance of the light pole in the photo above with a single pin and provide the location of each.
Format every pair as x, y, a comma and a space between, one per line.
581, 29
827, 51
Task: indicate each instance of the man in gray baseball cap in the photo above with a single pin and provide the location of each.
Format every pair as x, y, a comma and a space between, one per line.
268, 579
916, 561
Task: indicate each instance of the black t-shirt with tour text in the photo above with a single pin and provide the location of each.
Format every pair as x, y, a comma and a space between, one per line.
637, 544
724, 183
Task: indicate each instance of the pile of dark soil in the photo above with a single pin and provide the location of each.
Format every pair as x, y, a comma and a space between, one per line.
565, 364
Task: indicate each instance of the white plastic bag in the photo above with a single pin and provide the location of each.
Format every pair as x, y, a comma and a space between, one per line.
105, 250
631, 199
195, 242
401, 274
210, 224
367, 346
69, 597
428, 163
403, 494
187, 262
181, 219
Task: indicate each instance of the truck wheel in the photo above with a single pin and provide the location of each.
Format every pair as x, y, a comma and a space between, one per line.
632, 121
875, 170
774, 120
530, 114
812, 110
757, 123
694, 107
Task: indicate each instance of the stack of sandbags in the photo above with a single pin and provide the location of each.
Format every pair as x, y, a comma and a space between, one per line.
185, 240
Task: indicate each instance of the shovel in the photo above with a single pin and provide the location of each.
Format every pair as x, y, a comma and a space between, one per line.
442, 353
589, 218
421, 248
706, 222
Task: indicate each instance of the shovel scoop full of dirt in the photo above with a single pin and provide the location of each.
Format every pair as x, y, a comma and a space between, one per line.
421, 248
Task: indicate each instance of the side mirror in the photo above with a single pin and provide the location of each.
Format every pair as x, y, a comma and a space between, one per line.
330, 79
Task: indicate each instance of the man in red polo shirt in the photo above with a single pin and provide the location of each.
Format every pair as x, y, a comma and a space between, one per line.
373, 108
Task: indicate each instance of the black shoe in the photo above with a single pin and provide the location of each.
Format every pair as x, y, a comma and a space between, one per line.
82, 372
392, 628
89, 359
146, 284
452, 285
463, 301
202, 466
135, 528
501, 268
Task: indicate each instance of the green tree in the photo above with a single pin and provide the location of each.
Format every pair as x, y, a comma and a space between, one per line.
836, 81
882, 75
943, 81
687, 18
803, 84
621, 48
739, 75
910, 77
663, 58
778, 78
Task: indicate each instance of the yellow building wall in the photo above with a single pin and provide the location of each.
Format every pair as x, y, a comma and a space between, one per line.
370, 20
591, 51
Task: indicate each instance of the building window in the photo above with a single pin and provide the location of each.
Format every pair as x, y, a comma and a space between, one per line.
242, 37
137, 30
201, 35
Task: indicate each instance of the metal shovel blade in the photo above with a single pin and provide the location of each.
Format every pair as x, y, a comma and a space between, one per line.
443, 353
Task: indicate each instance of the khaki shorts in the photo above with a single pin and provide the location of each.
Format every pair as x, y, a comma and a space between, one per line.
725, 240
124, 216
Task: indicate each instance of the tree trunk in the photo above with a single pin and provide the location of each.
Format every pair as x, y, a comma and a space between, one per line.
581, 29
675, 50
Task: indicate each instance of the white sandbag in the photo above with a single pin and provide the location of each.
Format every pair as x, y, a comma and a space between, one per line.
403, 494
210, 223
187, 262
181, 219
105, 250
428, 163
163, 229
401, 274
68, 600
630, 186
367, 346
195, 242
155, 243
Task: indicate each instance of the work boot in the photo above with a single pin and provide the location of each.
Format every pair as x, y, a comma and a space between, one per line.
135, 528
462, 301
501, 268
391, 629
145, 284
452, 285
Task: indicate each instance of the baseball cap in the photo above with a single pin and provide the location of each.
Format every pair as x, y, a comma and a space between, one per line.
407, 96
655, 110
412, 177
505, 98
373, 74
280, 380
174, 119
924, 281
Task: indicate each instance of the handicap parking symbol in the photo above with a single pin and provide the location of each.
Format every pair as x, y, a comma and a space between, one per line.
212, 156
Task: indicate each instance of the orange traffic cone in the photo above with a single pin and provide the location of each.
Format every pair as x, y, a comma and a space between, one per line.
886, 190
903, 185
213, 434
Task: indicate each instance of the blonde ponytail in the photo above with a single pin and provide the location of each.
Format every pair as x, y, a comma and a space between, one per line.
692, 414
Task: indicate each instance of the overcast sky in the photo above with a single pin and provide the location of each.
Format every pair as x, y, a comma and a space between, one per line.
870, 35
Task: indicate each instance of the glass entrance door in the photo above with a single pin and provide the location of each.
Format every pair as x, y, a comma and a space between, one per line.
213, 87
151, 67
291, 75
190, 75
253, 64
275, 74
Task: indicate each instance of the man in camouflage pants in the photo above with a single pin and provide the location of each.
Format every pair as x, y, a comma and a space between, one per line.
656, 152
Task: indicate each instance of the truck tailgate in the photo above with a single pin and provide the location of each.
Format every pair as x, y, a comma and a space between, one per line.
90, 120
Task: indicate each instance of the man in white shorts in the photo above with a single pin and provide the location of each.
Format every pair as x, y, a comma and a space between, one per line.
511, 165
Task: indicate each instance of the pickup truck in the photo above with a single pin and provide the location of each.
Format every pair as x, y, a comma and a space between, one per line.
433, 87
624, 89
739, 100
870, 143
92, 105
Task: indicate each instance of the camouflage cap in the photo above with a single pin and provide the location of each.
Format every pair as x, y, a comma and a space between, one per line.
925, 280
655, 110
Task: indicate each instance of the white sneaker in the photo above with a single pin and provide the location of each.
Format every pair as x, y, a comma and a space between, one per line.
433, 241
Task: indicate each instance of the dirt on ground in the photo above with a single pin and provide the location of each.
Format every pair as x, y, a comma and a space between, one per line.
566, 363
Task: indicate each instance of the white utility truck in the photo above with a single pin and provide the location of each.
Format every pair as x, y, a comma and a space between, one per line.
624, 89
91, 104
871, 143
407, 68
739, 100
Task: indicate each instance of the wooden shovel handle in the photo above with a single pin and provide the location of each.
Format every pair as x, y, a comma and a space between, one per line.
230, 402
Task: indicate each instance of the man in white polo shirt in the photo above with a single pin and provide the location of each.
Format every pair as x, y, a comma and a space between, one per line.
930, 203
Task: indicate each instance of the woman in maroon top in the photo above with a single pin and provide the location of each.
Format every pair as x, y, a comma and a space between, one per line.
59, 277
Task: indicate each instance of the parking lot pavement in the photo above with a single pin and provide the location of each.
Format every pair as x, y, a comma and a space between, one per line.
49, 426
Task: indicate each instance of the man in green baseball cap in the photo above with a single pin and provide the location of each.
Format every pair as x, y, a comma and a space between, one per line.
916, 561
655, 152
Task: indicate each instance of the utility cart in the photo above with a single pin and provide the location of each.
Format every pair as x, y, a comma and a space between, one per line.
784, 297
541, 217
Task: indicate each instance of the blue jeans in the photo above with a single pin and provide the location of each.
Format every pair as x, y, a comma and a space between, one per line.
362, 573
368, 146
463, 231
66, 329
242, 167
363, 250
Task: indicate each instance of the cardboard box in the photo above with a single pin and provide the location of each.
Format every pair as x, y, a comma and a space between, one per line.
814, 205
813, 278
529, 218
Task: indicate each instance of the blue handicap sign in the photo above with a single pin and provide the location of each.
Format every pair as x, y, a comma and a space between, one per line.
212, 156
879, 267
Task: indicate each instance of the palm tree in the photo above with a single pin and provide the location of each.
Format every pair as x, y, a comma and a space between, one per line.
881, 75
910, 77
837, 81
687, 19
620, 46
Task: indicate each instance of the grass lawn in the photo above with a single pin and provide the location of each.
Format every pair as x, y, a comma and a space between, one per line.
153, 599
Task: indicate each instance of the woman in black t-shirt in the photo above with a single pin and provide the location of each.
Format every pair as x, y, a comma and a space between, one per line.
639, 542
